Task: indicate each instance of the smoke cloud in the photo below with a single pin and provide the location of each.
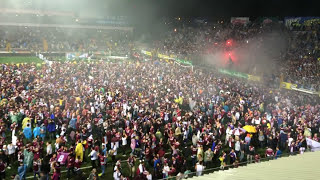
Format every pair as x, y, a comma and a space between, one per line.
257, 55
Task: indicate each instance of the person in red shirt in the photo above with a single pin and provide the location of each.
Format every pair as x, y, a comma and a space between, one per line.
55, 175
257, 158
77, 165
161, 153
2, 169
36, 168
20, 156
172, 171
269, 152
102, 159
70, 164
36, 153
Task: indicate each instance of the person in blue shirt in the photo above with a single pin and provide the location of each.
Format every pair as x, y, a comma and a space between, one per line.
104, 149
72, 123
226, 108
213, 146
36, 131
156, 164
51, 129
278, 153
43, 131
22, 171
27, 132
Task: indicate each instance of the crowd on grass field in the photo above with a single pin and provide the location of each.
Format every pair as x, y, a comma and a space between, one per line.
165, 119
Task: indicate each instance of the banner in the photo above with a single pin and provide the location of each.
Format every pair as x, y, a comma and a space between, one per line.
299, 21
72, 56
233, 73
166, 57
287, 85
146, 53
162, 56
240, 20
240, 75
253, 78
290, 21
62, 158
295, 87
117, 57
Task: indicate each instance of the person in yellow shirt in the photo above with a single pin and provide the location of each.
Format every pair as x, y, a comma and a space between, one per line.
25, 121
60, 102
79, 151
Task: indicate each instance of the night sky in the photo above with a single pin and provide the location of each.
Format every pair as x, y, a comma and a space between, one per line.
224, 8
169, 8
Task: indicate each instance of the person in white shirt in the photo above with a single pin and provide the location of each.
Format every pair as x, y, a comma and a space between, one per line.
149, 176
116, 174
237, 116
49, 149
116, 171
11, 151
113, 153
93, 156
141, 167
165, 170
199, 168
228, 134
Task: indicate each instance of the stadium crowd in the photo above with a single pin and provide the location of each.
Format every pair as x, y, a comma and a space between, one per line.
298, 62
164, 119
39, 39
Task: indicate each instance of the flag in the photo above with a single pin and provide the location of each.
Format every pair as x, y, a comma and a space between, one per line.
8, 47
45, 45
62, 158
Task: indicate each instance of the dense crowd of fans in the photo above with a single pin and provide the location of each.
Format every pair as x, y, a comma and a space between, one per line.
166, 119
294, 54
62, 40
